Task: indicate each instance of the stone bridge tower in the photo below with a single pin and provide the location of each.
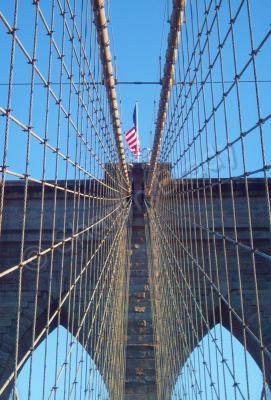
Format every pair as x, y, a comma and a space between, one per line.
141, 378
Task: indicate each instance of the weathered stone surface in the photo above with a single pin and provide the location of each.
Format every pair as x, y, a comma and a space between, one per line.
215, 259
140, 357
140, 363
62, 262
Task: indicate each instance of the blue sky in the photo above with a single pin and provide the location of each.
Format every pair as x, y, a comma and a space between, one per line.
85, 376
216, 381
139, 37
138, 32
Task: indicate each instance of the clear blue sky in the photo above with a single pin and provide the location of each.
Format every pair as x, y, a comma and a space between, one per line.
137, 32
139, 28
136, 29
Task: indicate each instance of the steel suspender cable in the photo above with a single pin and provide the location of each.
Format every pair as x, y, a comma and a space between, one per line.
209, 209
64, 258
65, 206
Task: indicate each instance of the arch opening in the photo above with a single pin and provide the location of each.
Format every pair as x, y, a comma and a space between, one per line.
220, 368
60, 368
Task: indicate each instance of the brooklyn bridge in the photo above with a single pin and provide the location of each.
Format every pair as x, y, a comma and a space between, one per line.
135, 277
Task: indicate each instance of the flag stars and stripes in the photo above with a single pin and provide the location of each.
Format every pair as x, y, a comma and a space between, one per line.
132, 137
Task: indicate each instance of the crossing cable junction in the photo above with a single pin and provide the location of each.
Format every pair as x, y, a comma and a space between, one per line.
144, 280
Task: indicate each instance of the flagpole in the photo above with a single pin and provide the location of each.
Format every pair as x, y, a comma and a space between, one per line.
137, 128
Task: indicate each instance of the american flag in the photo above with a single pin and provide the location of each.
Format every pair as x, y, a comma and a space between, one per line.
132, 137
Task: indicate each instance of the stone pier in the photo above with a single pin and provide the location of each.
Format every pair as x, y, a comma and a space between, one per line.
140, 362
